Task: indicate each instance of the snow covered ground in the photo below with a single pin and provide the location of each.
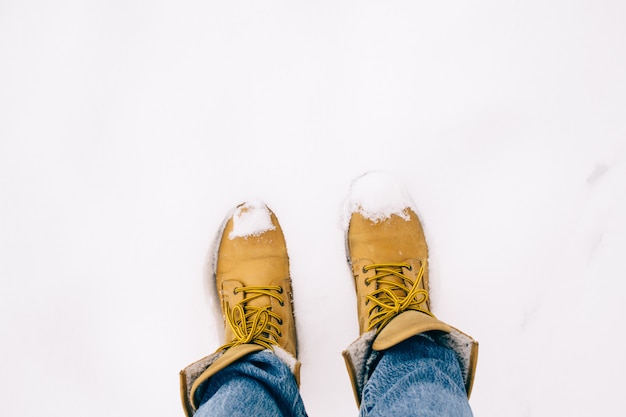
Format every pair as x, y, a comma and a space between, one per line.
128, 129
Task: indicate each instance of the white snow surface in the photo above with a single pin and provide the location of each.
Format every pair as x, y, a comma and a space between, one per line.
251, 219
130, 129
377, 196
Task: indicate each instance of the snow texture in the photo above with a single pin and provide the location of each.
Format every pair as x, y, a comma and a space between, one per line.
251, 219
377, 196
129, 130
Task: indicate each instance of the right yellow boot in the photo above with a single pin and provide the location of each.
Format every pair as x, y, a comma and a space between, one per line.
388, 255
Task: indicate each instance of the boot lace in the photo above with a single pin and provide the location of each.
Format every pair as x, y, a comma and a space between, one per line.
252, 324
393, 297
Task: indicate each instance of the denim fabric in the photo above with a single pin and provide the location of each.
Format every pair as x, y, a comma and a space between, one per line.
414, 378
258, 385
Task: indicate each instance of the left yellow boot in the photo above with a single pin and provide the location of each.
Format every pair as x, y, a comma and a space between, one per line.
251, 271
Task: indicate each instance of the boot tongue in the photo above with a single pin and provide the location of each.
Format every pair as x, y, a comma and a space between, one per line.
398, 294
262, 274
260, 304
258, 300
395, 288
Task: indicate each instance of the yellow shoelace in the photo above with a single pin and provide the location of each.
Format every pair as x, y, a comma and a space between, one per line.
387, 304
254, 325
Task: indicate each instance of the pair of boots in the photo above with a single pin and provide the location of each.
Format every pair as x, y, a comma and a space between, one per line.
387, 252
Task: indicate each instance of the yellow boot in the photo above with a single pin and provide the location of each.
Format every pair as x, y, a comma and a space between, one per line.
387, 252
251, 271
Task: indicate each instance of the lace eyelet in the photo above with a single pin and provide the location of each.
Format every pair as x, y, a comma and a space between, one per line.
282, 303
280, 290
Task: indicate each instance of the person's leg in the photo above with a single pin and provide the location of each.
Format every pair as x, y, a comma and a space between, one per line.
258, 385
394, 368
256, 370
417, 377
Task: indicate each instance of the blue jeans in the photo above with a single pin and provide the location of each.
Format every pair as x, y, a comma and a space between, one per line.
414, 378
